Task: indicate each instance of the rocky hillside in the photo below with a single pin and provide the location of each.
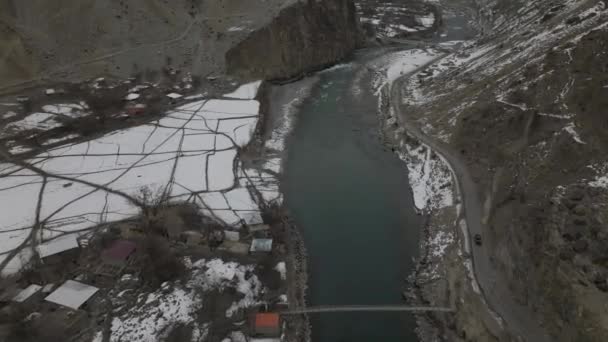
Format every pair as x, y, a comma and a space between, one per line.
308, 35
70, 40
525, 107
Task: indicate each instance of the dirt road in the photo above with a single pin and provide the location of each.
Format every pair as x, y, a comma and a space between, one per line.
517, 318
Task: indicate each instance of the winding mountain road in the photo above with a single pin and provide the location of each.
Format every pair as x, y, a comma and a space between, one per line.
517, 318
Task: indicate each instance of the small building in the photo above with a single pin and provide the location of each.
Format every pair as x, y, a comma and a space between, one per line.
192, 238
132, 96
235, 247
231, 235
24, 295
57, 246
48, 288
174, 96
267, 324
72, 294
258, 228
22, 99
261, 245
119, 252
137, 109
130, 231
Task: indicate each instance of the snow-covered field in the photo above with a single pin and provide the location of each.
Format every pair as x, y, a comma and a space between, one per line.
188, 155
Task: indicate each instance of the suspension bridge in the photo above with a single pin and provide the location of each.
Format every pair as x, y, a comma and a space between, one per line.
363, 308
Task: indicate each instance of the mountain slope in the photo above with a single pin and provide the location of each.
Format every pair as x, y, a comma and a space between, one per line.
525, 107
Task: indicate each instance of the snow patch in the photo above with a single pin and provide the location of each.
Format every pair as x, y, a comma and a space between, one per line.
282, 269
247, 91
429, 177
570, 129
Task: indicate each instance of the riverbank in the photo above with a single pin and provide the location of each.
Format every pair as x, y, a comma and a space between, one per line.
443, 274
267, 153
525, 162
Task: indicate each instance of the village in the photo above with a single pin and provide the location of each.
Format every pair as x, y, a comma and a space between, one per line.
68, 291
166, 269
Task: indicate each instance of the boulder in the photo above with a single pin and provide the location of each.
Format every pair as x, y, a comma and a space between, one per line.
573, 232
601, 282
566, 254
599, 251
580, 246
576, 194
580, 221
568, 203
579, 210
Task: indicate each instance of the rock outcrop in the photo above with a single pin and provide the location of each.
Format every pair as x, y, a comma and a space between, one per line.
306, 36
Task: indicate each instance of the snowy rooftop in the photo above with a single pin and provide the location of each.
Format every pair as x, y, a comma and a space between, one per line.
57, 246
261, 245
119, 250
72, 294
27, 293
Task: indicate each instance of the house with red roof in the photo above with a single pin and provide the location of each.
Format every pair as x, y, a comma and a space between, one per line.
119, 252
267, 324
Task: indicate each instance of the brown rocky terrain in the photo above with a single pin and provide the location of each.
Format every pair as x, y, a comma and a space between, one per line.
524, 107
46, 42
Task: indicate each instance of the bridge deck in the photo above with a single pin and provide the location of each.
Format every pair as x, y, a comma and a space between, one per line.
364, 308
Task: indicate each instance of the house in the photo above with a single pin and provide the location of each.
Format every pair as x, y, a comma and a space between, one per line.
231, 235
119, 252
57, 246
130, 231
267, 324
28, 297
235, 247
48, 288
259, 228
192, 238
72, 294
174, 96
27, 293
261, 245
137, 109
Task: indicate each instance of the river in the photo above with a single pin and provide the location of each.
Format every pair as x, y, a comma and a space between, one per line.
351, 199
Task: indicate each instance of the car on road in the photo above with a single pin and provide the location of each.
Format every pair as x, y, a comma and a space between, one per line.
477, 239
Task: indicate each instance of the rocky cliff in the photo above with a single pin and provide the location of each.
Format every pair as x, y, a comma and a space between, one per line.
305, 36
